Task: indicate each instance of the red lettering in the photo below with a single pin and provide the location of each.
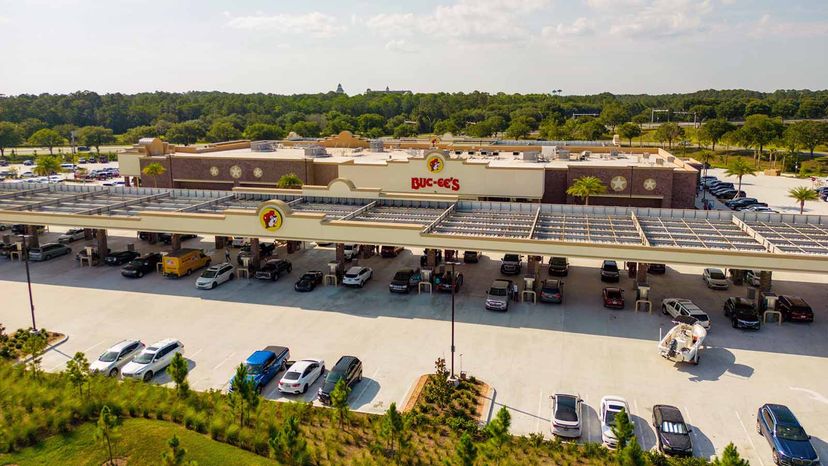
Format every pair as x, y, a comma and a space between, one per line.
446, 183
455, 184
429, 182
441, 182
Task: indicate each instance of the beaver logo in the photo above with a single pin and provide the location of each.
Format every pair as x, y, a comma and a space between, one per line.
435, 164
271, 219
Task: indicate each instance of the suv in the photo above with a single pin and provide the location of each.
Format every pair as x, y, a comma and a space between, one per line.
265, 249
141, 266
551, 291
120, 257
73, 234
715, 279
351, 251
684, 307
609, 271
48, 251
511, 264
448, 282
273, 269
558, 266
471, 257
357, 276
789, 442
497, 297
390, 251
113, 359
348, 368
308, 281
404, 280
794, 308
152, 360
742, 313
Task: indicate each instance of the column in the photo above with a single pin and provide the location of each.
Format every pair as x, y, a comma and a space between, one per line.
340, 257
641, 273
532, 265
33, 241
255, 258
221, 242
88, 234
100, 236
176, 242
765, 280
431, 258
126, 182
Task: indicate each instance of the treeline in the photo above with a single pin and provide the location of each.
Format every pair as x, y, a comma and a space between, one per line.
185, 118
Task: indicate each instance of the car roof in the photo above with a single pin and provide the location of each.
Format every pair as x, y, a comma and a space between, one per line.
741, 300
162, 343
344, 361
783, 414
501, 283
301, 365
259, 357
355, 269
121, 345
669, 413
551, 282
610, 261
795, 300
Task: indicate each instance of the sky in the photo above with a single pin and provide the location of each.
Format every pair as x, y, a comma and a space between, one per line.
511, 46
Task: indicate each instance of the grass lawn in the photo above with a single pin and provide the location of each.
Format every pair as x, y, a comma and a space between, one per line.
141, 442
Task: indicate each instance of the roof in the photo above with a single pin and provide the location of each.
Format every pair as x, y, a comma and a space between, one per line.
669, 413
259, 357
121, 345
343, 361
162, 343
783, 414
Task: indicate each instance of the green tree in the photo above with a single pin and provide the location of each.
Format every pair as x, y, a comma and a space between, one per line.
465, 452
95, 136
33, 347
631, 455
46, 165
585, 187
106, 431
242, 386
802, 194
223, 131
393, 427
739, 168
154, 170
713, 130
47, 138
263, 131
308, 129
445, 126
370, 121
77, 370
623, 429
439, 388
405, 130
287, 446
761, 130
730, 457
613, 115
629, 130
186, 133
807, 134
289, 181
498, 435
669, 132
175, 454
518, 130
10, 136
591, 130
481, 129
339, 402
132, 135
178, 370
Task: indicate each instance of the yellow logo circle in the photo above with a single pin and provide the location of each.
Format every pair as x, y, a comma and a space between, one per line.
270, 218
435, 163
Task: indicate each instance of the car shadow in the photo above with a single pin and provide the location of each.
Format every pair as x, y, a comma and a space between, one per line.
163, 378
702, 446
820, 446
644, 432
363, 393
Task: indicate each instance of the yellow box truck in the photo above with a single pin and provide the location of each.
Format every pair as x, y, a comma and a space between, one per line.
184, 261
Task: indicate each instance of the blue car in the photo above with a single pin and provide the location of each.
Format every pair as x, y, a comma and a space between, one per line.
788, 440
263, 365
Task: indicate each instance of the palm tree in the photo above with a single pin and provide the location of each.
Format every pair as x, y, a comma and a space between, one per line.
740, 168
585, 187
46, 165
802, 194
154, 170
289, 181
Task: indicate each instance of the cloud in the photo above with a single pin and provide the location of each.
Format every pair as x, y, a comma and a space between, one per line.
394, 24
664, 18
579, 28
400, 45
4, 20
767, 26
314, 24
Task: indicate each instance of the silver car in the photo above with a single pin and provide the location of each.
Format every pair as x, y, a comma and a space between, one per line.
112, 360
566, 415
48, 251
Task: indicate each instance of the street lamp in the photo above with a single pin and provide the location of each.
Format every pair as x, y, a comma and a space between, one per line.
25, 253
453, 291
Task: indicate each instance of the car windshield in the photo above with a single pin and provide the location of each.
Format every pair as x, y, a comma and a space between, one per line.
718, 275
254, 369
401, 275
613, 294
610, 417
334, 376
497, 291
791, 433
558, 261
145, 357
610, 266
550, 288
351, 275
565, 409
511, 258
744, 307
307, 277
700, 317
673, 427
292, 376
136, 263
109, 356
208, 274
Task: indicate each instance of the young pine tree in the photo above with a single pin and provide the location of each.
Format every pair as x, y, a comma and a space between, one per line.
106, 431
392, 427
466, 451
339, 402
77, 370
730, 457
623, 429
499, 437
178, 370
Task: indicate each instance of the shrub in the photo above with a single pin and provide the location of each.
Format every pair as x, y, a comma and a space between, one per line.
231, 434
217, 428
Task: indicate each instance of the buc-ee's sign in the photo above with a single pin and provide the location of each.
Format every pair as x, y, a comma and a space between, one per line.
435, 163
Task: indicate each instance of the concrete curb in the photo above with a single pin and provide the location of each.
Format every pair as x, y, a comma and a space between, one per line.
488, 406
48, 348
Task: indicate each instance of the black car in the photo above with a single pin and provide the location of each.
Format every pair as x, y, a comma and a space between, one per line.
748, 206
658, 269
734, 203
265, 249
471, 257
559, 266
729, 194
445, 281
511, 264
308, 281
166, 238
610, 272
348, 368
742, 313
120, 257
141, 266
19, 229
388, 252
438, 257
672, 434
794, 308
273, 269
404, 280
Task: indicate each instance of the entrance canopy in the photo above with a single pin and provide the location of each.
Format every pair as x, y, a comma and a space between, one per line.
342, 213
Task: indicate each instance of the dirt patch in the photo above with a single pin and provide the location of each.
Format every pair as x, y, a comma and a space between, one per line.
414, 396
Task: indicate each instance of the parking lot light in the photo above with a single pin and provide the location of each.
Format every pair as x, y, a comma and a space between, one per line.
453, 291
25, 253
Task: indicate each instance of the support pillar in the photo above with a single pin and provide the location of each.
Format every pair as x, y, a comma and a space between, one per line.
221, 242
100, 236
340, 257
152, 238
175, 241
450, 255
641, 273
88, 234
255, 257
33, 241
431, 258
532, 266
126, 182
765, 280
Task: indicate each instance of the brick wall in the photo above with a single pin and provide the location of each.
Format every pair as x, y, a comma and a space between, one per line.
554, 186
198, 168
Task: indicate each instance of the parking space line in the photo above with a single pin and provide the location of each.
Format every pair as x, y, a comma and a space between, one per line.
692, 429
540, 412
192, 356
747, 434
223, 361
635, 424
93, 346
365, 386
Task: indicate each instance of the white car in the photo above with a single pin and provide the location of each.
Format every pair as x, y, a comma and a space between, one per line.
566, 415
73, 234
113, 359
675, 307
152, 360
301, 375
752, 277
215, 275
357, 276
238, 241
760, 208
715, 279
351, 251
610, 406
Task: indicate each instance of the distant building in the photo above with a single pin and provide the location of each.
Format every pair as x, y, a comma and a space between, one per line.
339, 89
387, 91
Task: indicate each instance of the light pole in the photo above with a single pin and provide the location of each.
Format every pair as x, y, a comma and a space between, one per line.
453, 291
25, 253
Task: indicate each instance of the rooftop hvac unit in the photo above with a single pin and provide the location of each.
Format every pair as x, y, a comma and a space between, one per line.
529, 156
563, 154
376, 145
264, 146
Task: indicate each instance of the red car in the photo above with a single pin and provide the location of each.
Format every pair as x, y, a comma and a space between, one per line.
613, 298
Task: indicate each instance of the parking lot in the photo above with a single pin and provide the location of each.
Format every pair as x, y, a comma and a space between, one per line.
526, 354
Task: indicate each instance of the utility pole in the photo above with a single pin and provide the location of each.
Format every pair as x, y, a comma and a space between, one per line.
25, 253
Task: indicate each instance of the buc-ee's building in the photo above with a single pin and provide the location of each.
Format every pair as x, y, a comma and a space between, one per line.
480, 170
